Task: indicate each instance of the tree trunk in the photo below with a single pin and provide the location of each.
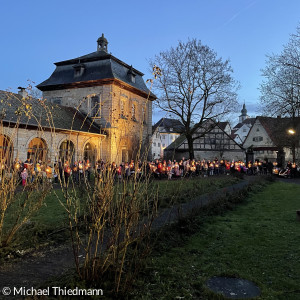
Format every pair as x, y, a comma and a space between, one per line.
191, 146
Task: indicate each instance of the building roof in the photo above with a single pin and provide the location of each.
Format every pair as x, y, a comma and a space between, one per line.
93, 69
249, 121
223, 125
169, 125
234, 135
238, 126
210, 125
15, 109
277, 128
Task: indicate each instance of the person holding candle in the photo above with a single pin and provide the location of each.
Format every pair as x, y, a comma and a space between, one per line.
24, 175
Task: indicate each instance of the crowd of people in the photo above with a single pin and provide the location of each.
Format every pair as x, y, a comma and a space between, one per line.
160, 169
170, 169
29, 170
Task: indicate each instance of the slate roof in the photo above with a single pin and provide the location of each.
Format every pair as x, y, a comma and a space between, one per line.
34, 112
168, 124
98, 65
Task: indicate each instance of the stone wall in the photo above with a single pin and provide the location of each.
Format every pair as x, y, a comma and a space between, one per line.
21, 139
123, 131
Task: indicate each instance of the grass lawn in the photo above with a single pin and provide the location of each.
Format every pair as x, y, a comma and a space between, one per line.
44, 227
183, 190
259, 240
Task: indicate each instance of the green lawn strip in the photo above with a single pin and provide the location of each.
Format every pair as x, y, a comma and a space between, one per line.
40, 228
50, 223
258, 241
183, 190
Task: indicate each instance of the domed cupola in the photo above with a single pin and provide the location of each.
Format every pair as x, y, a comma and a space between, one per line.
102, 43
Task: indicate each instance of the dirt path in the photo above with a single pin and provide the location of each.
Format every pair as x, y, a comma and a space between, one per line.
34, 269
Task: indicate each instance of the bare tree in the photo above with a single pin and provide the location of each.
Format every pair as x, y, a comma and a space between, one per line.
280, 91
291, 53
194, 86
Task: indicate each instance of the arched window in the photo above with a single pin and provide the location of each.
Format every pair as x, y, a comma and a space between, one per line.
6, 150
89, 153
37, 150
67, 151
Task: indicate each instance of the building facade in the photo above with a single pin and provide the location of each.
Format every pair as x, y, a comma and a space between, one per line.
241, 130
269, 139
164, 133
32, 129
111, 94
212, 141
94, 106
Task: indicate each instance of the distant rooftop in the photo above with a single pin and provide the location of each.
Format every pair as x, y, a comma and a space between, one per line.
169, 125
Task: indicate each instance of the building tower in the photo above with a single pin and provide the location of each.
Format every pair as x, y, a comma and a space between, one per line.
108, 92
244, 115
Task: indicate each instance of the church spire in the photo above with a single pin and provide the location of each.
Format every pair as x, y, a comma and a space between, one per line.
244, 110
244, 115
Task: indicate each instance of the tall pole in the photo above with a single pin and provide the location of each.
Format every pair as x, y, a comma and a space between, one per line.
292, 133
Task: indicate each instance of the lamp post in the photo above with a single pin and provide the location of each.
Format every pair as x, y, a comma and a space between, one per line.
292, 133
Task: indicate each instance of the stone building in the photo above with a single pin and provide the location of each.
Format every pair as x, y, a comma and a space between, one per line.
211, 140
101, 109
33, 129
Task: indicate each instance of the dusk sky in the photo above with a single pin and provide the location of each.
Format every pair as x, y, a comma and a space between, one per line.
35, 34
